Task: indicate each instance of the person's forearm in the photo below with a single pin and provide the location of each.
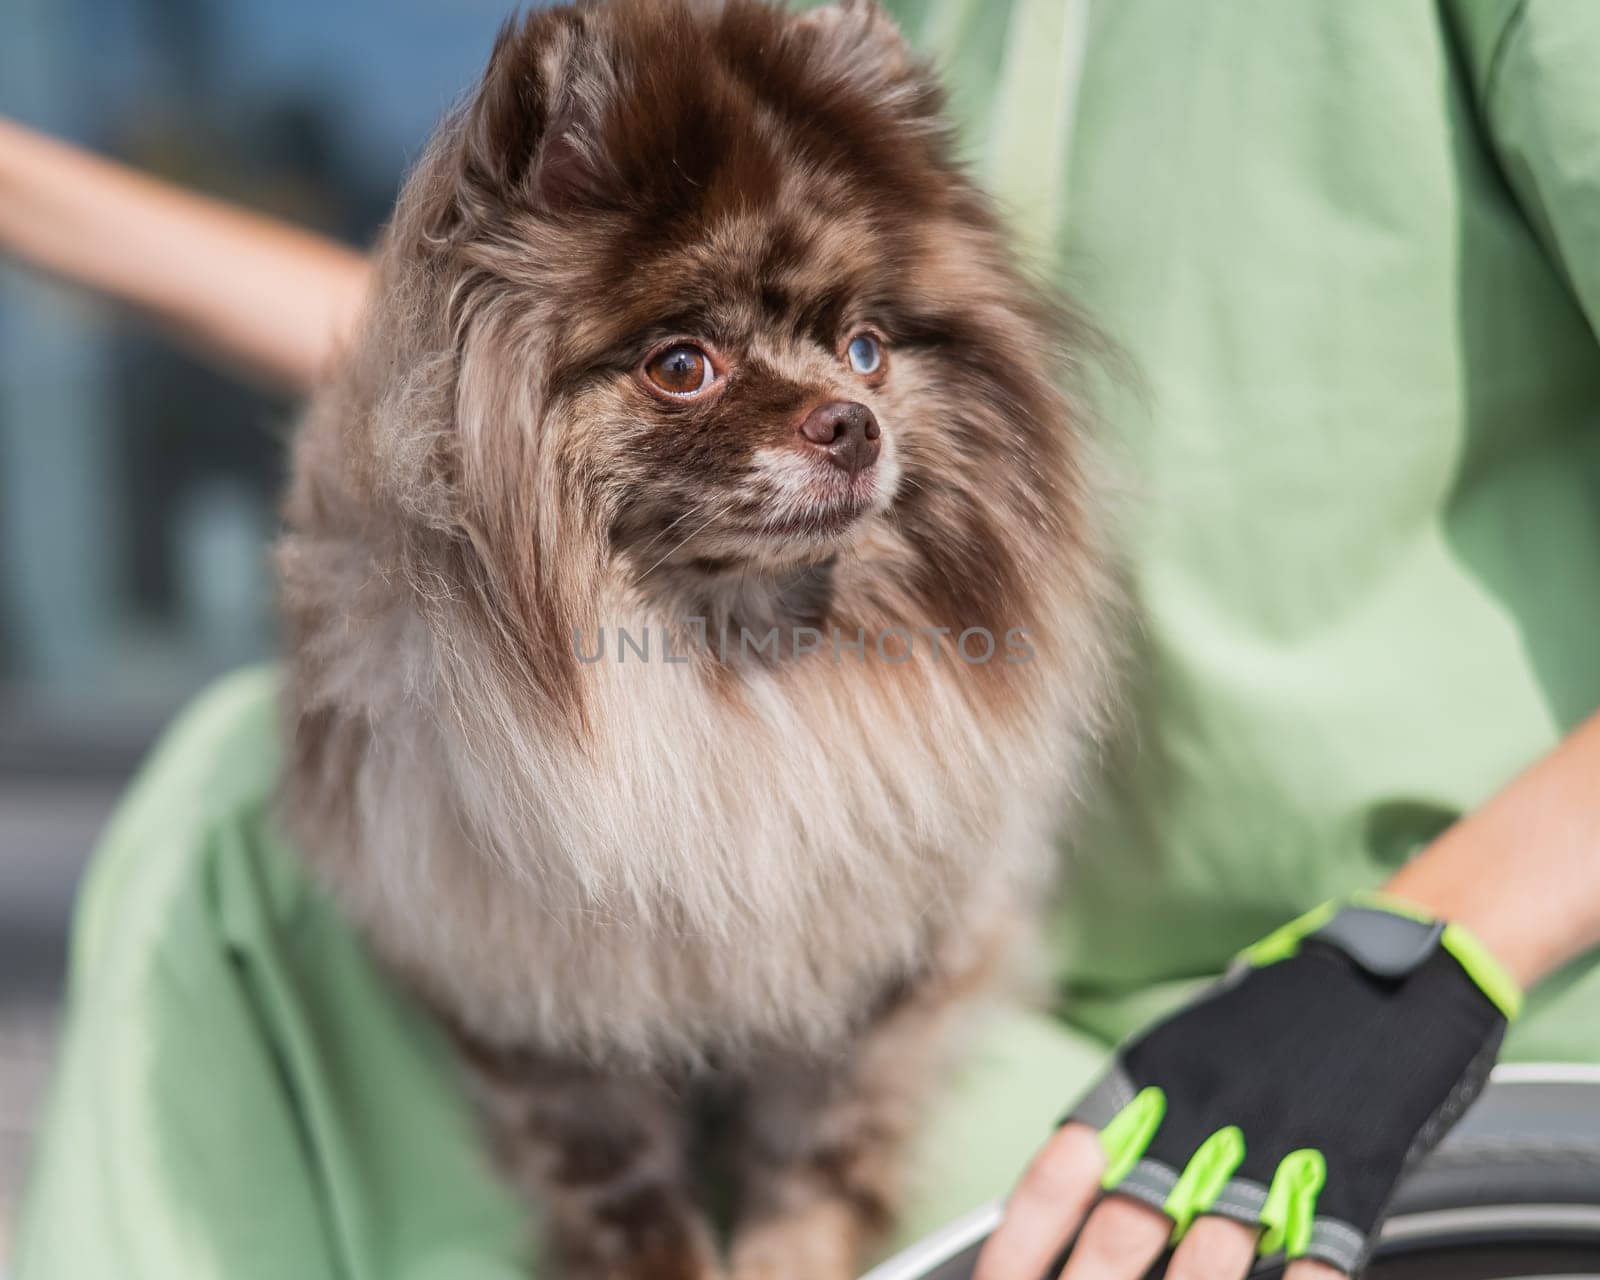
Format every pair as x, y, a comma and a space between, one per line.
268, 297
1523, 872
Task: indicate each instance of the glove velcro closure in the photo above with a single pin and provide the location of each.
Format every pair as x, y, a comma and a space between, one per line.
1382, 934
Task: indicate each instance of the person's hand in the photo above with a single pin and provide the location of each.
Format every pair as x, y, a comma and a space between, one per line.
1274, 1115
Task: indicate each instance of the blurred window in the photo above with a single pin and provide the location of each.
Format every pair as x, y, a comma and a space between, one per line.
138, 488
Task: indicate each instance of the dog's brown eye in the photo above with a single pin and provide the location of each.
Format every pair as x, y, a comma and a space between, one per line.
865, 354
683, 370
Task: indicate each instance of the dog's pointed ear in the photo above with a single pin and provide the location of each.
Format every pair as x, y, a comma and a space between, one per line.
529, 133
861, 45
862, 41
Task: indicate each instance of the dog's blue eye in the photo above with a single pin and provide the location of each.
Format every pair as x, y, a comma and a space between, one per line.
865, 354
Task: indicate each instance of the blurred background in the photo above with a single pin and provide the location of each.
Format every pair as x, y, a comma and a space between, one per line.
137, 487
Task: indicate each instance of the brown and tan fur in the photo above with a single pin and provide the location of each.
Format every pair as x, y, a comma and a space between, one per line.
632, 886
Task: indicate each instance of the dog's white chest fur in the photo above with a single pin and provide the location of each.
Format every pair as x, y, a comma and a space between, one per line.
715, 867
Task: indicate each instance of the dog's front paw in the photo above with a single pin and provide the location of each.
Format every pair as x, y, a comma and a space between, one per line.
818, 1241
666, 1245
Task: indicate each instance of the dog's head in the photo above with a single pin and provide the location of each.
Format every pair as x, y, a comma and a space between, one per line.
716, 300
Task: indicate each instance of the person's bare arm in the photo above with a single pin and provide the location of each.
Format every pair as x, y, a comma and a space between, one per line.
1522, 873
266, 297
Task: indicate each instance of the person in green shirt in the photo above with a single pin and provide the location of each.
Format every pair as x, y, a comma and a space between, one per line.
1353, 252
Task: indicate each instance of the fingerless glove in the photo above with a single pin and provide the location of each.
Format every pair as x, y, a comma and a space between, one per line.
1295, 1093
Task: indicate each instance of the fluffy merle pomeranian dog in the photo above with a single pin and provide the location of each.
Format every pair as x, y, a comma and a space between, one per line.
689, 326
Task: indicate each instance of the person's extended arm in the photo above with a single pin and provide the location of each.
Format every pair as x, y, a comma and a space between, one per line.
1523, 872
1521, 876
264, 296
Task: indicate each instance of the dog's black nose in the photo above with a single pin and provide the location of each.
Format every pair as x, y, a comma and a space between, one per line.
847, 432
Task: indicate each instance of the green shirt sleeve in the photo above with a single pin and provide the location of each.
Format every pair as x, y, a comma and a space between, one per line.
1536, 68
240, 1094
170, 1148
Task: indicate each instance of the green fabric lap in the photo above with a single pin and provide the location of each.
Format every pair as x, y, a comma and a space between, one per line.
242, 1094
